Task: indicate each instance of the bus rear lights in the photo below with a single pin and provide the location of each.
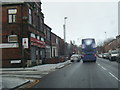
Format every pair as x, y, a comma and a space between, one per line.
82, 55
95, 55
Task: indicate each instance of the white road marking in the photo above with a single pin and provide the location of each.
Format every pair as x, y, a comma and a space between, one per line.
114, 76
103, 68
109, 72
99, 64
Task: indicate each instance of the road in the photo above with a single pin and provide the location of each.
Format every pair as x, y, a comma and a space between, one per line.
102, 74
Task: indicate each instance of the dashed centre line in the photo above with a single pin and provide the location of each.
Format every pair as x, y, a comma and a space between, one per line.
109, 72
113, 76
103, 68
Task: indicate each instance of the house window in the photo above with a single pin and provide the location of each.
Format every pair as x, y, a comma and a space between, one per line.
56, 40
42, 39
12, 15
30, 16
38, 37
32, 35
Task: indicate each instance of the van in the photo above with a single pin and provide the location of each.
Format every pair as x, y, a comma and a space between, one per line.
113, 54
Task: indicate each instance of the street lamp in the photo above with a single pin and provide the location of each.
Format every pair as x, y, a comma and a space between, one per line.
105, 35
64, 27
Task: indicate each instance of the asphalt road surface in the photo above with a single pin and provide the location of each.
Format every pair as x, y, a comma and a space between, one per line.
102, 74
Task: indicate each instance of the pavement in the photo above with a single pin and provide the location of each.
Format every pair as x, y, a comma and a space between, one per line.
15, 77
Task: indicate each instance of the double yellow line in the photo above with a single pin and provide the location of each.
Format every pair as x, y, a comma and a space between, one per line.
29, 85
32, 83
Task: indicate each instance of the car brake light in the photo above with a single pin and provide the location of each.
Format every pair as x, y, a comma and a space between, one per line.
82, 55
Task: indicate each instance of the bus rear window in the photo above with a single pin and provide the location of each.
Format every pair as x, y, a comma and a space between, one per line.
88, 42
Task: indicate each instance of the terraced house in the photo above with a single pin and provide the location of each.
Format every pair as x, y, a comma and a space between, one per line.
23, 37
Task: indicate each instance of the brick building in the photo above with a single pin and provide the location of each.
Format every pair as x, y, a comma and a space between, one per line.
47, 31
112, 45
54, 41
23, 37
60, 47
57, 45
118, 40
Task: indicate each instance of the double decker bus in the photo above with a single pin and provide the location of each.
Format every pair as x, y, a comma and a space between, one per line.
88, 50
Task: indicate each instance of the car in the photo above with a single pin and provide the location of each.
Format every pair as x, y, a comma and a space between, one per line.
100, 55
118, 57
113, 55
106, 55
75, 58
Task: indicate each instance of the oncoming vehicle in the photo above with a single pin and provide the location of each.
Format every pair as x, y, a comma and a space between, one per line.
75, 58
88, 50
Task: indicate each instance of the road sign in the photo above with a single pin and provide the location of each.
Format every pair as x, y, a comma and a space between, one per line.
25, 42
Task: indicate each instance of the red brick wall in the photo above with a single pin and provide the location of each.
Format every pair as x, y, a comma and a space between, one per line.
16, 29
11, 53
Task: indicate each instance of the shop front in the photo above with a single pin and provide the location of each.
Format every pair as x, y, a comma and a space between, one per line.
37, 48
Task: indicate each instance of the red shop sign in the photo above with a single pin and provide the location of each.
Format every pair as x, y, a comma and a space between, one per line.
37, 42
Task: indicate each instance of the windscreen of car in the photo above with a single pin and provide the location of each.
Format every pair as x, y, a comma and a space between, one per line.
114, 52
74, 56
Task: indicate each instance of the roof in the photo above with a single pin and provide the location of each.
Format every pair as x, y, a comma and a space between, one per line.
10, 3
17, 1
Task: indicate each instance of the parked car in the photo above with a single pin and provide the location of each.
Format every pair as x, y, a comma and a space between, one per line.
75, 58
100, 55
118, 57
113, 55
106, 55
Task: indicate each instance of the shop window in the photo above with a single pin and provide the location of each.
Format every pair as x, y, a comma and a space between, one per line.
42, 39
32, 35
38, 37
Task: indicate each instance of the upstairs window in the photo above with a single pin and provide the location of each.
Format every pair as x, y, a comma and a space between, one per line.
30, 16
38, 37
12, 15
32, 35
56, 40
42, 39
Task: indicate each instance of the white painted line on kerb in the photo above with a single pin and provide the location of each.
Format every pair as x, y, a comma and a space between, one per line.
114, 76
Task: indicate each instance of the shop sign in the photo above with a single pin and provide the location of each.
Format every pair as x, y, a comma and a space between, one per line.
36, 42
15, 61
9, 45
12, 38
25, 42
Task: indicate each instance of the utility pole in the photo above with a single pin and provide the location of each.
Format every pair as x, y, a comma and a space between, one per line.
105, 35
64, 28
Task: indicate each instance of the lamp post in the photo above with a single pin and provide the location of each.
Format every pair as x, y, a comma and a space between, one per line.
64, 28
105, 35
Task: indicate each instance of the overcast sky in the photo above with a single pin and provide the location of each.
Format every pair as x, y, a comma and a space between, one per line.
85, 19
